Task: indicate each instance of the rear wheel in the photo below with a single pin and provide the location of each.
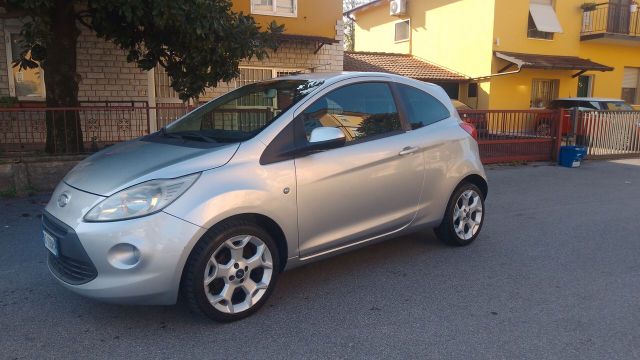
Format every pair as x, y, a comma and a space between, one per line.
231, 271
464, 216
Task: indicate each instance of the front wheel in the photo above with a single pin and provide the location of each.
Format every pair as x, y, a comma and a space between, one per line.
231, 271
464, 216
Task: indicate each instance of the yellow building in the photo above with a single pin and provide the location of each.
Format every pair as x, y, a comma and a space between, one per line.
519, 54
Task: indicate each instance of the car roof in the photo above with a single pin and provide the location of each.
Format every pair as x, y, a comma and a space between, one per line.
333, 77
329, 76
588, 99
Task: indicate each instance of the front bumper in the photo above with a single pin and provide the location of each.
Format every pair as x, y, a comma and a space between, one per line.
161, 244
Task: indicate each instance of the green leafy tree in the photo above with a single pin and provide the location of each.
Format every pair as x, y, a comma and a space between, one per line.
199, 42
349, 24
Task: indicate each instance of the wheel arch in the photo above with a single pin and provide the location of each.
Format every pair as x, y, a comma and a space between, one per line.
265, 222
478, 181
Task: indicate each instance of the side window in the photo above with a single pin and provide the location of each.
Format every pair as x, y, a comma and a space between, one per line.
422, 108
360, 111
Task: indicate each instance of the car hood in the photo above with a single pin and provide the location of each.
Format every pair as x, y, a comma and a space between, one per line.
126, 164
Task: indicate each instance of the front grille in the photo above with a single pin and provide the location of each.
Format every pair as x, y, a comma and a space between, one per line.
73, 265
73, 271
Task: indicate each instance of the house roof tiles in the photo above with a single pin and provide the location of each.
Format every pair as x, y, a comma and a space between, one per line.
400, 64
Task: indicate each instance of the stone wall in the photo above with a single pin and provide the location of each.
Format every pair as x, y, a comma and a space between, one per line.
23, 175
105, 73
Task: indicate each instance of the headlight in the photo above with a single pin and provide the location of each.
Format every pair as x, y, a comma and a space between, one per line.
141, 200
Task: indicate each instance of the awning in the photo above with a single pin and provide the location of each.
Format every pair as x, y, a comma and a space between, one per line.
295, 37
320, 41
545, 18
551, 62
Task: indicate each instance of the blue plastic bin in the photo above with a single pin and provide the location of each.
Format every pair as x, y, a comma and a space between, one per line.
571, 156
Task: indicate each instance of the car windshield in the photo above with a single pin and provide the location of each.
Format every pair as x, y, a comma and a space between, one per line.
570, 104
242, 113
616, 106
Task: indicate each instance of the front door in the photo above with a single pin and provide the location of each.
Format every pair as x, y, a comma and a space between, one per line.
365, 188
585, 85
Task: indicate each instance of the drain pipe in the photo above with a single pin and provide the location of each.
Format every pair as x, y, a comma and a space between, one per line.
497, 74
512, 61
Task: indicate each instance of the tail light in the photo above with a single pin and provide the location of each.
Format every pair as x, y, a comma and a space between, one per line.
470, 129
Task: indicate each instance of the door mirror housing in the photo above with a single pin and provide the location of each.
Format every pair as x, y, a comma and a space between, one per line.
323, 134
325, 138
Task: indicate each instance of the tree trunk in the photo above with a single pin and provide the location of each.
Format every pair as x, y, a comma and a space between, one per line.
64, 134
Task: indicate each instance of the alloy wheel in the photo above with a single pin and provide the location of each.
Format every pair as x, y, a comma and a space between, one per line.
238, 274
467, 215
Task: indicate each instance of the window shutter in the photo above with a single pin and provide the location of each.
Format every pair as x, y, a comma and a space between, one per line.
631, 76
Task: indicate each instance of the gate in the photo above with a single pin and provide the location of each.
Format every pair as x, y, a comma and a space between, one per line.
608, 134
516, 135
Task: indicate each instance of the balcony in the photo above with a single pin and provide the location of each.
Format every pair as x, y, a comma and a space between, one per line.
611, 23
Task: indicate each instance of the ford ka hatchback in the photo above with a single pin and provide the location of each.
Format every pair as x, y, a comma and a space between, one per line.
265, 178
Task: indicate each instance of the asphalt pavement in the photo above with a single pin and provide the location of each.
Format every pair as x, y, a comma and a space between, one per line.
555, 274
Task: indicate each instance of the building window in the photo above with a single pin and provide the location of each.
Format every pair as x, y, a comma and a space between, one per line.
472, 90
543, 21
402, 30
25, 84
250, 75
275, 7
543, 91
630, 85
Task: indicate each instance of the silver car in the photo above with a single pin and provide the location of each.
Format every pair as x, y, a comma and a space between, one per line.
263, 179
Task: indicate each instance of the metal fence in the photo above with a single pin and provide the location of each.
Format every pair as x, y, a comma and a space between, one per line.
611, 18
503, 135
516, 135
165, 113
607, 134
25, 129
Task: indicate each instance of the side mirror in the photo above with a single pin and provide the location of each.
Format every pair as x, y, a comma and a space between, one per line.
325, 138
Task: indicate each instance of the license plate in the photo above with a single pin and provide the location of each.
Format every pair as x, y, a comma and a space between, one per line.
50, 243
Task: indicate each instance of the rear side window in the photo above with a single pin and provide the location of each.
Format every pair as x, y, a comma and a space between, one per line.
360, 111
422, 108
617, 106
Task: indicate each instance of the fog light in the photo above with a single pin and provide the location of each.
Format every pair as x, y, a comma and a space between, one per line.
124, 256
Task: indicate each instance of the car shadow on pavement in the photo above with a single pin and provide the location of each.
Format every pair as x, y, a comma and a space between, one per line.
296, 292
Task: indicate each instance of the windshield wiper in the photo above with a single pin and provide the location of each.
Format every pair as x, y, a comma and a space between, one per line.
197, 135
163, 132
187, 135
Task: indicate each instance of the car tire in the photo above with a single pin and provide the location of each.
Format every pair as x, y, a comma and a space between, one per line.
464, 216
231, 272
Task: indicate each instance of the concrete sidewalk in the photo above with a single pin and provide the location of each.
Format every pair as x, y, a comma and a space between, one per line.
555, 274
